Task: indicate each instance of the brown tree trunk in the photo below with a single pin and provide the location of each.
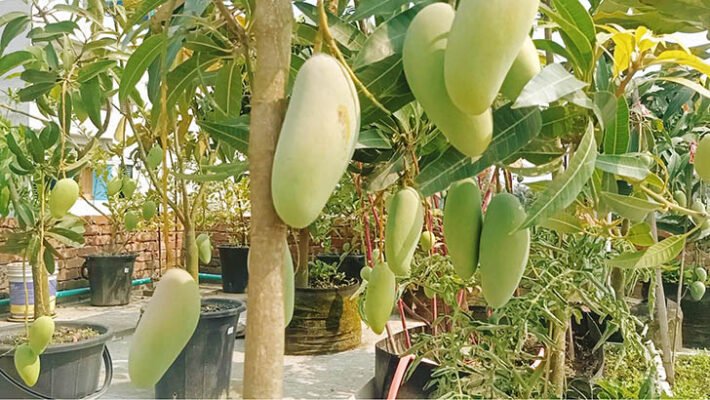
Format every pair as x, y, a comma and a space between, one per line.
263, 363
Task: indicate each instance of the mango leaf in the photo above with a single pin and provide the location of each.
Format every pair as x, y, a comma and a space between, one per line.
233, 132
92, 98
378, 8
386, 81
144, 7
13, 29
624, 165
347, 35
537, 170
574, 11
640, 235
683, 58
562, 222
386, 40
701, 90
180, 79
660, 253
578, 46
512, 130
373, 139
139, 61
605, 108
551, 84
90, 71
566, 186
13, 60
228, 89
66, 236
633, 208
616, 135
385, 175
215, 173
37, 76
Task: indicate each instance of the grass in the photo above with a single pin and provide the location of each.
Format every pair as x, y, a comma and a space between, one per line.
623, 376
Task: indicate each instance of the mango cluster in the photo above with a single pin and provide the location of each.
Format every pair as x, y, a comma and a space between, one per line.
26, 357
456, 64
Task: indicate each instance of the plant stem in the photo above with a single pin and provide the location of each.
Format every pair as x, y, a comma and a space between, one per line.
557, 356
661, 311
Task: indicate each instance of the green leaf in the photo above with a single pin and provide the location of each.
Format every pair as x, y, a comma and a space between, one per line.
562, 222
658, 254
48, 259
574, 11
605, 108
347, 35
13, 29
92, 98
386, 81
578, 45
616, 135
640, 235
139, 61
5, 18
13, 60
512, 130
625, 165
21, 157
378, 8
37, 76
142, 10
565, 187
234, 133
66, 236
31, 93
687, 83
633, 208
373, 139
551, 84
185, 74
387, 39
35, 146
228, 89
49, 135
90, 71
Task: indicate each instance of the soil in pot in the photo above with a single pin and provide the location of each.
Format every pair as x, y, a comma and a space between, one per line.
110, 277
70, 366
203, 369
350, 264
325, 318
235, 271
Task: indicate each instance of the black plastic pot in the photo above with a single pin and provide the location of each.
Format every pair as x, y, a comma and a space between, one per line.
324, 321
351, 264
203, 368
696, 317
235, 268
110, 278
67, 371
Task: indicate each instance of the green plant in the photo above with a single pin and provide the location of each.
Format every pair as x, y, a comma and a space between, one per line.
227, 205
324, 275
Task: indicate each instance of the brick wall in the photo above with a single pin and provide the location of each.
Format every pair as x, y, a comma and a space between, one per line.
146, 244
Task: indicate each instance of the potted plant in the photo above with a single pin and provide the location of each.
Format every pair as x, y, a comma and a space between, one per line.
232, 214
110, 273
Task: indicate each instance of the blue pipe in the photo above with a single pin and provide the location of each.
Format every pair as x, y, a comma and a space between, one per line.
135, 282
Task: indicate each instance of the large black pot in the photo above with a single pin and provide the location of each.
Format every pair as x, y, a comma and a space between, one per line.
351, 264
324, 321
235, 268
696, 317
110, 278
67, 371
204, 367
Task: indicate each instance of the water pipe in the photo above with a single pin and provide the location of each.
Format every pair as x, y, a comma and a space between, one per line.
135, 282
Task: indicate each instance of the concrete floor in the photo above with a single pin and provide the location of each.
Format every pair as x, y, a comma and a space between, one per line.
335, 376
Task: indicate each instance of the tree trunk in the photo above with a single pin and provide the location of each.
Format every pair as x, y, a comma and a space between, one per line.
557, 357
40, 281
263, 363
662, 313
192, 260
301, 278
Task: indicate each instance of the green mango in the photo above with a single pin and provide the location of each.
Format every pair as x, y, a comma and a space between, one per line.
204, 248
167, 324
379, 297
317, 140
154, 157
131, 220
525, 67
128, 187
149, 210
484, 41
427, 241
40, 334
114, 186
701, 273
365, 273
504, 249
62, 197
698, 206
405, 218
423, 62
702, 159
27, 364
697, 290
463, 222
680, 198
